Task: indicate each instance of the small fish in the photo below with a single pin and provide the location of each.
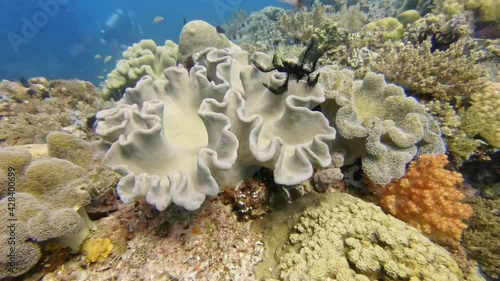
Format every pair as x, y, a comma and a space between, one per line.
31, 92
296, 4
107, 59
98, 56
158, 19
24, 82
220, 29
100, 77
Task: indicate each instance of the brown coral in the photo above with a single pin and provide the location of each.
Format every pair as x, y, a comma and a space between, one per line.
447, 75
427, 198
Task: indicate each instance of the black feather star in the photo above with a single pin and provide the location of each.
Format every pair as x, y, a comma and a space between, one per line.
295, 70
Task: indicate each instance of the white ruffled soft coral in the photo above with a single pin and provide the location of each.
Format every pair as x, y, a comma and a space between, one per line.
177, 140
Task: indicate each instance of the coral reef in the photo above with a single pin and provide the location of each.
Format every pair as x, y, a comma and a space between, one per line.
196, 36
303, 24
378, 123
344, 238
236, 125
325, 178
428, 199
481, 238
442, 31
208, 244
460, 142
49, 195
67, 105
387, 28
409, 16
483, 116
446, 75
96, 250
259, 31
487, 10
143, 58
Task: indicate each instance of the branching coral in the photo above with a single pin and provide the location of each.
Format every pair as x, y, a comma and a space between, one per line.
444, 75
482, 239
378, 123
304, 24
427, 198
177, 139
460, 141
143, 58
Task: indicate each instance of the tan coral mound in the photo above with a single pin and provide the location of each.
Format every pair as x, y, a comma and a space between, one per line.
427, 198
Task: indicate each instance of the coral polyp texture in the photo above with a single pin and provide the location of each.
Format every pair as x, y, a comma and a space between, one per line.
143, 58
378, 123
47, 203
178, 139
340, 237
428, 199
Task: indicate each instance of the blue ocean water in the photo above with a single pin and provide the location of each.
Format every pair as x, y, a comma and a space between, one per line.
59, 39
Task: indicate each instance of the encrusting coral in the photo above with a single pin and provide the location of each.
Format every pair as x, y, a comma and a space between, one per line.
143, 58
378, 123
178, 139
341, 237
96, 250
428, 199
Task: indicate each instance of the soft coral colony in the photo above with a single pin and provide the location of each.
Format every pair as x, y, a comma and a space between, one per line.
204, 115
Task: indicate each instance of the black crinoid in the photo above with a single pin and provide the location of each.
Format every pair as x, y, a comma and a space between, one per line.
305, 67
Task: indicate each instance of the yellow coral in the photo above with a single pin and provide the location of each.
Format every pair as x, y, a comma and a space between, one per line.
483, 117
96, 250
487, 10
427, 199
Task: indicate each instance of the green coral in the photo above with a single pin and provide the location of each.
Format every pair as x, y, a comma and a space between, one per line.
408, 17
483, 116
378, 123
70, 105
341, 237
481, 239
143, 58
87, 155
390, 28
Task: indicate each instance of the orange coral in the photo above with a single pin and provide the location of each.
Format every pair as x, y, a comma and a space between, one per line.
427, 198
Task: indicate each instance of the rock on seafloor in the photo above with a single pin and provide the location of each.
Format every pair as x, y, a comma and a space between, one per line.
208, 244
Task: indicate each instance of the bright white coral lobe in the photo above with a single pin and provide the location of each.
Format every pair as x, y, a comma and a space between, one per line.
178, 139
